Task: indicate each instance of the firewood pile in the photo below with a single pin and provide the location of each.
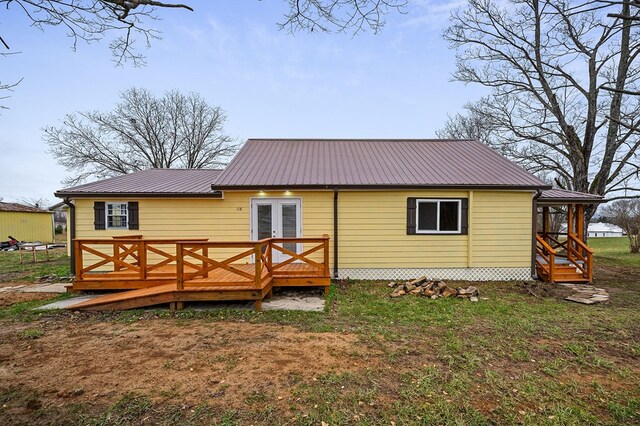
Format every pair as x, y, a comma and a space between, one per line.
432, 289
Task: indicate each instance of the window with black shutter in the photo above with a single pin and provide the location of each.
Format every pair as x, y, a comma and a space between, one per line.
437, 216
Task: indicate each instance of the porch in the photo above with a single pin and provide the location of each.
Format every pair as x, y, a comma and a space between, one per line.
563, 257
157, 271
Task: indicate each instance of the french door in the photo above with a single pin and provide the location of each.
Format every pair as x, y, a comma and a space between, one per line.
276, 218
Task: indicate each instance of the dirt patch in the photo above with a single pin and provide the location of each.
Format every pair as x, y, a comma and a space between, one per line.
11, 298
539, 290
7, 279
218, 363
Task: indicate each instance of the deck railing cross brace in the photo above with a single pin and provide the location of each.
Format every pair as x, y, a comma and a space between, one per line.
294, 256
216, 264
169, 258
108, 259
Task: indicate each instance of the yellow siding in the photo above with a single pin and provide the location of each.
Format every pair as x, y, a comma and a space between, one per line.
502, 233
372, 232
27, 226
372, 226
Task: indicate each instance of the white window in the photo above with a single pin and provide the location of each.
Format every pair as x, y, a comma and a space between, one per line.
117, 216
438, 216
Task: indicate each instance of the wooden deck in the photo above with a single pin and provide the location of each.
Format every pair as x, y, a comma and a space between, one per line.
174, 272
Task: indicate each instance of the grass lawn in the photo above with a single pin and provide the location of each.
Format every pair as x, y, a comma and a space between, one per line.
614, 250
367, 360
11, 270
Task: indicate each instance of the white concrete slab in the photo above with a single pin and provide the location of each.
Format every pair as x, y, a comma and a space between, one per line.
62, 304
45, 288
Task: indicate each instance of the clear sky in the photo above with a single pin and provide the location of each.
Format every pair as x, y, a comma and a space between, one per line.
396, 84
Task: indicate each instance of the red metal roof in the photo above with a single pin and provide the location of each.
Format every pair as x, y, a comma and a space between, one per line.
176, 182
263, 163
20, 208
564, 195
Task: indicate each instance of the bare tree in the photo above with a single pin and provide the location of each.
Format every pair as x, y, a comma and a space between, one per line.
473, 123
39, 203
626, 215
549, 66
92, 20
338, 15
174, 131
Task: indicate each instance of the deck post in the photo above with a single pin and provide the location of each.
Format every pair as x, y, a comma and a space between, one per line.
570, 229
326, 254
205, 253
179, 267
142, 259
580, 224
257, 254
77, 252
116, 255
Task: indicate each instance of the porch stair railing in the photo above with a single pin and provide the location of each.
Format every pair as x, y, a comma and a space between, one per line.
570, 260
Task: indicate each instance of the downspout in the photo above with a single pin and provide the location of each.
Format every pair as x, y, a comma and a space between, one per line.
335, 233
72, 232
534, 222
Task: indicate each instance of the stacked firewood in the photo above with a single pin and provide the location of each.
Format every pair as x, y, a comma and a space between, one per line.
432, 289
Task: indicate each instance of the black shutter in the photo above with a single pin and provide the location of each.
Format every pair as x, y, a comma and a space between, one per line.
464, 219
411, 216
99, 215
132, 208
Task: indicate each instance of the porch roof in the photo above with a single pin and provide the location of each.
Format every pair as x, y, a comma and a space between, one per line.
564, 196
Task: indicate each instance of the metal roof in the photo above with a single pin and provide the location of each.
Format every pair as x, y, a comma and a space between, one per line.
364, 163
20, 208
550, 196
151, 182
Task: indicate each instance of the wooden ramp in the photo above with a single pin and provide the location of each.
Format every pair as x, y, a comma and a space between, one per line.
168, 294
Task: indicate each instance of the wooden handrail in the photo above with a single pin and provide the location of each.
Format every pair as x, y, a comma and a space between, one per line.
581, 244
551, 258
545, 245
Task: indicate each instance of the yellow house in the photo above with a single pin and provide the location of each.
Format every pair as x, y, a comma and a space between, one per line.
25, 223
393, 209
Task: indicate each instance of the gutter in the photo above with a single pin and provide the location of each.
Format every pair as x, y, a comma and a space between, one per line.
268, 187
72, 232
215, 194
534, 222
335, 233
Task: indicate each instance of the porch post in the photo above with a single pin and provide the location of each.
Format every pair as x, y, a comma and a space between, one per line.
570, 229
580, 221
545, 222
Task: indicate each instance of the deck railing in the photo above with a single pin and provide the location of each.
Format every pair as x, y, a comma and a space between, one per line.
581, 255
193, 261
548, 254
132, 258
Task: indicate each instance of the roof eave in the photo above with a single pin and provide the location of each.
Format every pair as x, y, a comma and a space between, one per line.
367, 187
60, 194
571, 201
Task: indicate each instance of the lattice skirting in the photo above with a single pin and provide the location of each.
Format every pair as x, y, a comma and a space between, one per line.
462, 274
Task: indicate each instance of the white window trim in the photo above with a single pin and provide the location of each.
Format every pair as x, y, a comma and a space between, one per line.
106, 215
437, 201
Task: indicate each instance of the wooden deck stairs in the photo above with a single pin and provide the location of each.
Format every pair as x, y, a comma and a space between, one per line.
568, 261
192, 271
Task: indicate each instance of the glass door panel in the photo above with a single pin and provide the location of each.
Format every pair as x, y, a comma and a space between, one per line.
289, 225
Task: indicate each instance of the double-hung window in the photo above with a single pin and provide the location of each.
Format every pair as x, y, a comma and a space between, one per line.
438, 216
117, 216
